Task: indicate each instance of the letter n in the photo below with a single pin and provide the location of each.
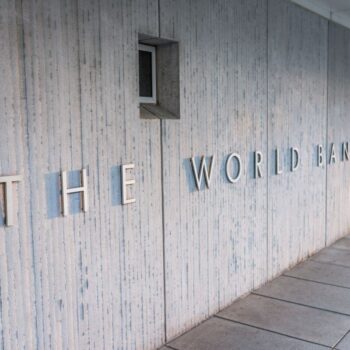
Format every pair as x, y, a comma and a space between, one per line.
345, 148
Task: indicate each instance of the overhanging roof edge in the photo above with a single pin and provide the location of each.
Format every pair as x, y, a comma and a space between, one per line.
324, 11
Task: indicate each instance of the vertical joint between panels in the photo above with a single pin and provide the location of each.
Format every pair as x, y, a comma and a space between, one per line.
163, 226
267, 137
327, 117
163, 211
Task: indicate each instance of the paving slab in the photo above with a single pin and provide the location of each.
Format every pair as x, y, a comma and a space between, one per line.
307, 307
333, 256
323, 273
218, 334
323, 296
310, 324
343, 243
345, 343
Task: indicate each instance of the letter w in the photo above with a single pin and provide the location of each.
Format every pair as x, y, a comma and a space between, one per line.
203, 169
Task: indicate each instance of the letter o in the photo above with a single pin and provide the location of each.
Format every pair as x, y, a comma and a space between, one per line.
228, 161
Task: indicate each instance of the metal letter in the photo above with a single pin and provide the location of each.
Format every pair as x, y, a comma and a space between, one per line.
319, 155
8, 181
229, 159
125, 183
345, 151
202, 169
257, 163
278, 170
83, 189
295, 159
332, 157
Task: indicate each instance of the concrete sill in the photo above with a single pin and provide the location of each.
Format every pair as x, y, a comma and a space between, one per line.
154, 111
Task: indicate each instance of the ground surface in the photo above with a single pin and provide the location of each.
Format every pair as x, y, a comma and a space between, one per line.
307, 307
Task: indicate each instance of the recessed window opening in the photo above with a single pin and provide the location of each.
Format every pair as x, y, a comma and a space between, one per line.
147, 74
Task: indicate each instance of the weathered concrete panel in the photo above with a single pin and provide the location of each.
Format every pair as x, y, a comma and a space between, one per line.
96, 280
17, 307
215, 240
338, 177
297, 114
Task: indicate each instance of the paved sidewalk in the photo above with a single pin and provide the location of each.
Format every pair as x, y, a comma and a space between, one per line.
307, 307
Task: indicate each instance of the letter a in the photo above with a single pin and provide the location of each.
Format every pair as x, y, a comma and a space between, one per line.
332, 158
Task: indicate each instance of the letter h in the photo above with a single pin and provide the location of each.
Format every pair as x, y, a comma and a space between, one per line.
83, 189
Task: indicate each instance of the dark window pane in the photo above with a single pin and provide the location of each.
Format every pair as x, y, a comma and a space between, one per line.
145, 79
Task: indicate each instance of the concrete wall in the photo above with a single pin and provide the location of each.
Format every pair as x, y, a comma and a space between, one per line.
69, 97
255, 75
215, 240
297, 117
338, 176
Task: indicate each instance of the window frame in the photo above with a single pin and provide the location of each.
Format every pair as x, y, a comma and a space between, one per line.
153, 99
